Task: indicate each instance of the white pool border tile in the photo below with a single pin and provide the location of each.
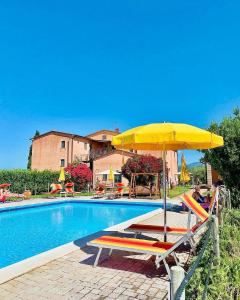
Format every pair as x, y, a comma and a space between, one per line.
26, 265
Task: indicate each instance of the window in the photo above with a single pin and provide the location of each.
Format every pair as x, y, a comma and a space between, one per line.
62, 163
85, 146
104, 177
63, 144
117, 178
104, 137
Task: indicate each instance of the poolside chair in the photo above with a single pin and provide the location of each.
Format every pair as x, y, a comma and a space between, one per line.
6, 193
3, 198
207, 206
119, 190
69, 189
99, 192
188, 231
55, 188
159, 249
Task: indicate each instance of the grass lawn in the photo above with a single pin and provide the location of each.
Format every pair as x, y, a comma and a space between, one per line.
178, 190
57, 195
13, 199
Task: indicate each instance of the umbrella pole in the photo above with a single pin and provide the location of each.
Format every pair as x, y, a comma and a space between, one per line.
164, 195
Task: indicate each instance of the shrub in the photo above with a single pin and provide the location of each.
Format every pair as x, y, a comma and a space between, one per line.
198, 173
226, 160
80, 174
142, 164
224, 280
36, 181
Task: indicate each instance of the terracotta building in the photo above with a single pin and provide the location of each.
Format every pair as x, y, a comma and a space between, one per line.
55, 149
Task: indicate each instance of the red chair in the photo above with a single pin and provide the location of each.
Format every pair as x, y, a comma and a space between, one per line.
120, 189
69, 189
3, 198
55, 188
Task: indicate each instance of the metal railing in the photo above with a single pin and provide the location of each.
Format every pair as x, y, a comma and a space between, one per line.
210, 239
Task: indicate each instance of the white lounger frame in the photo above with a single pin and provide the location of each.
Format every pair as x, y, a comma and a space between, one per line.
159, 256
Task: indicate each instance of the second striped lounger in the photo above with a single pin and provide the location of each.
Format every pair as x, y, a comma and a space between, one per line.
193, 206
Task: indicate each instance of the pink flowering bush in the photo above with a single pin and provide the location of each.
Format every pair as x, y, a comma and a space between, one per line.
142, 164
80, 174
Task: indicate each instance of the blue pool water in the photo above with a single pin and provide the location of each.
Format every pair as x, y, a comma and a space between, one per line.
25, 232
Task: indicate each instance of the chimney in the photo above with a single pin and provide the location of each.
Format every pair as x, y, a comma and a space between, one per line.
116, 130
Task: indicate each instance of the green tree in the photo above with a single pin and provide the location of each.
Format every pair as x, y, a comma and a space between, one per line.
198, 173
37, 133
226, 160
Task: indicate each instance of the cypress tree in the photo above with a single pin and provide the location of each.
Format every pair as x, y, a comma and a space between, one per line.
37, 133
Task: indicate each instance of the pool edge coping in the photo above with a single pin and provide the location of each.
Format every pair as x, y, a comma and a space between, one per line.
24, 266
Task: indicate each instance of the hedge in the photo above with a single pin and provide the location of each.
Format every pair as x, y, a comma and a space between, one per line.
36, 181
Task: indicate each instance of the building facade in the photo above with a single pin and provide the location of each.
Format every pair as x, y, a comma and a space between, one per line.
55, 149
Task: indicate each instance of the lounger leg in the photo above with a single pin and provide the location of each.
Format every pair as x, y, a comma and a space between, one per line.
97, 257
110, 252
167, 268
192, 244
175, 258
157, 261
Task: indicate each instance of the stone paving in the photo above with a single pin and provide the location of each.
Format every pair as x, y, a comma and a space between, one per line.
121, 276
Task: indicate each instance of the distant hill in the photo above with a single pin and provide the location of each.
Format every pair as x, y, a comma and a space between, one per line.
191, 165
194, 164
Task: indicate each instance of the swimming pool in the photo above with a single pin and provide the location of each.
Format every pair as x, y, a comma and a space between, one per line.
32, 229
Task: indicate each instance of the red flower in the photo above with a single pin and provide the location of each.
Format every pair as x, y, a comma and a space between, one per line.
80, 174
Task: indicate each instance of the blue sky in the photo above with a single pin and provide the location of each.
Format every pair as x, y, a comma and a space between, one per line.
80, 66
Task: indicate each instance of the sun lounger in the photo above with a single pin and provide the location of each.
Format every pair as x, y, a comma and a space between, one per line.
207, 206
159, 249
119, 190
100, 192
3, 198
69, 189
193, 206
55, 188
5, 192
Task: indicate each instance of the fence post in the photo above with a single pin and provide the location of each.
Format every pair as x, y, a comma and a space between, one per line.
215, 231
177, 276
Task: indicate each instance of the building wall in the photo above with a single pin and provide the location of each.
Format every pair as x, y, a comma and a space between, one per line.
47, 152
114, 160
81, 150
98, 136
212, 175
172, 164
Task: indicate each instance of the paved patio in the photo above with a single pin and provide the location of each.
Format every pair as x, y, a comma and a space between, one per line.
120, 276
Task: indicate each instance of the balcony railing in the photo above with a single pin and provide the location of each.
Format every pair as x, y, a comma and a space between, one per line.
97, 153
82, 157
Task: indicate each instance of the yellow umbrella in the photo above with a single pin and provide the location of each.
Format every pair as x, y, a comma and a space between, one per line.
61, 175
111, 174
166, 136
184, 176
